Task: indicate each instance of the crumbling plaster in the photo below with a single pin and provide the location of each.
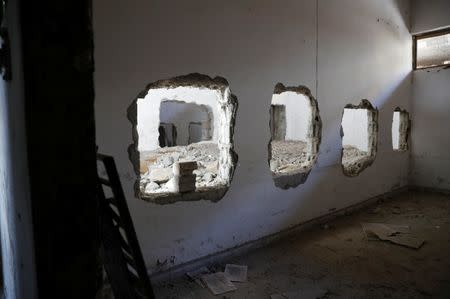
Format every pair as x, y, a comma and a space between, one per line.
144, 114
308, 130
254, 45
357, 166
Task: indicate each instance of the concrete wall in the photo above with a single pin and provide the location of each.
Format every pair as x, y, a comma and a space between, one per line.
364, 51
355, 123
16, 247
298, 114
430, 138
429, 14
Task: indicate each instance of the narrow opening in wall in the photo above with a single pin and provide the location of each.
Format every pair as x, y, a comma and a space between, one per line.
295, 128
400, 130
359, 137
183, 132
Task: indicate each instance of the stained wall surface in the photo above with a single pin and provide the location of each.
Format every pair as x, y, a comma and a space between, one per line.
343, 50
430, 138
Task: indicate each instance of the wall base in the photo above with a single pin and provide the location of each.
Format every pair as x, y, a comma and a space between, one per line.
239, 250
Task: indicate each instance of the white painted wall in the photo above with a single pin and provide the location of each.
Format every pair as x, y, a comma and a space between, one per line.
430, 137
355, 124
364, 51
298, 114
181, 114
429, 14
16, 235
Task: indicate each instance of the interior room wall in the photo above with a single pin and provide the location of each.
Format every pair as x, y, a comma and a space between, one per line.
429, 14
355, 125
343, 50
430, 138
298, 114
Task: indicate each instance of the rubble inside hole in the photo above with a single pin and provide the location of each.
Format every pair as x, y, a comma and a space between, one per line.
157, 166
209, 143
288, 156
293, 152
353, 158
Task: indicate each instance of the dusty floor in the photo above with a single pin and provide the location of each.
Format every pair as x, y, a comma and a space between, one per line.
338, 258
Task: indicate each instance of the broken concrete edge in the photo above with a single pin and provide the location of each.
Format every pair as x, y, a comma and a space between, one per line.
295, 178
404, 134
373, 137
189, 80
211, 194
226, 150
291, 180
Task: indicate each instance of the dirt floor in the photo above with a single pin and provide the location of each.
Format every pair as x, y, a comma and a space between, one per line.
338, 258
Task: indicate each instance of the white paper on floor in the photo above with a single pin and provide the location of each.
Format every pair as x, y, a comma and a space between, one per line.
236, 273
398, 234
305, 294
196, 275
218, 283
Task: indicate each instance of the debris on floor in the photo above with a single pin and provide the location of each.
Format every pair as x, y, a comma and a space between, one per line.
196, 275
305, 294
397, 234
218, 283
236, 273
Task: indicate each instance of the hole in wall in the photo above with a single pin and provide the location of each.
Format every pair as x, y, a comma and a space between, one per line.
183, 139
359, 129
401, 125
296, 129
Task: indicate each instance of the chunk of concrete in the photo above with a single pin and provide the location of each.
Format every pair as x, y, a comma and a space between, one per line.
151, 187
160, 175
